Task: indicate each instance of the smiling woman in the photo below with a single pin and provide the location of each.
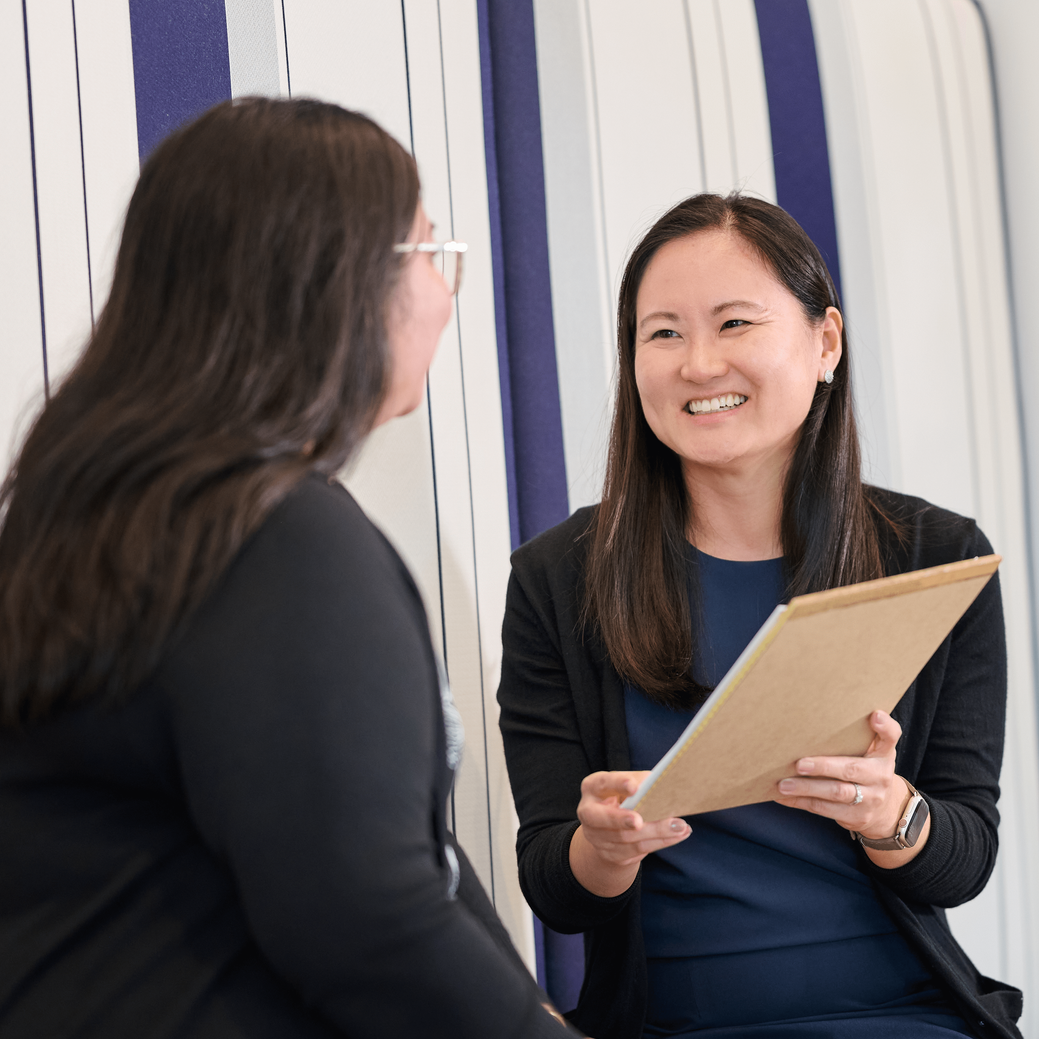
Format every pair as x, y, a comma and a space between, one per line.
764, 322
699, 358
733, 483
226, 750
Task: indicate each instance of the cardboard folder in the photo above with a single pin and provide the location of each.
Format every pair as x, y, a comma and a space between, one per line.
807, 684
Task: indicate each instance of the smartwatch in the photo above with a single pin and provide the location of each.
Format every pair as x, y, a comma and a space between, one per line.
914, 815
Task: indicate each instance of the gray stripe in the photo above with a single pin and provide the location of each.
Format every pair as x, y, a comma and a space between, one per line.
252, 47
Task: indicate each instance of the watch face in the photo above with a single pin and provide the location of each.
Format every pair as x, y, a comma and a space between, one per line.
917, 818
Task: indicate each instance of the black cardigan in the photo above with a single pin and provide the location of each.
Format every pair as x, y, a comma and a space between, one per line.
562, 717
255, 845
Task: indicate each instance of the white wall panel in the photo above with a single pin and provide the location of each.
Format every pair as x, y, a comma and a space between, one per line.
21, 344
350, 52
718, 161
110, 156
748, 102
646, 105
582, 293
82, 182
448, 405
1014, 26
253, 47
914, 246
59, 179
915, 167
488, 489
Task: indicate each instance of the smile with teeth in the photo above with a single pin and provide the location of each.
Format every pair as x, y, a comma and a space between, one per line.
724, 402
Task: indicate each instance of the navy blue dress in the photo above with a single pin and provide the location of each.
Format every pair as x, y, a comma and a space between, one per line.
761, 923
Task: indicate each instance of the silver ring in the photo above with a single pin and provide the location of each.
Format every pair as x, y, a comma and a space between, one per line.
858, 794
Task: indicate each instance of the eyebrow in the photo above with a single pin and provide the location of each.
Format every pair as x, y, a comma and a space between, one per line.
741, 304
732, 304
666, 315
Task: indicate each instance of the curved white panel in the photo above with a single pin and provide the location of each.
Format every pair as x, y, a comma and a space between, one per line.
21, 345
915, 168
59, 180
110, 156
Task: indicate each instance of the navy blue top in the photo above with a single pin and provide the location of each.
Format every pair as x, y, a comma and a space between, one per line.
765, 892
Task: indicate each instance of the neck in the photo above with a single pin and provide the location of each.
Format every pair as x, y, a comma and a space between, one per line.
736, 514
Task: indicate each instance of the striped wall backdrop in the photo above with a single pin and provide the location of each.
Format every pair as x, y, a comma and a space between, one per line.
549, 134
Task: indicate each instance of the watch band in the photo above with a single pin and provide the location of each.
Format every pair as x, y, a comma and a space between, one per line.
914, 815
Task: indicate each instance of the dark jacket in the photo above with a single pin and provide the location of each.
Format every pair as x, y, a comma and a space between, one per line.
255, 845
562, 717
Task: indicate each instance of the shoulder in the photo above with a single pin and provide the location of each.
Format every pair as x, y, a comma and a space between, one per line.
548, 570
915, 533
316, 564
562, 545
319, 526
316, 598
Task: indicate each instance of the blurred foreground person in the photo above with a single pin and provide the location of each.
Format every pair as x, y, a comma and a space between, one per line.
224, 761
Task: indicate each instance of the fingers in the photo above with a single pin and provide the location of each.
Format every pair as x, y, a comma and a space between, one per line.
620, 825
619, 835
831, 798
605, 785
864, 769
888, 732
857, 792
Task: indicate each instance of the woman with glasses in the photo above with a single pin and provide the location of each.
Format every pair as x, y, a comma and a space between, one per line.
225, 750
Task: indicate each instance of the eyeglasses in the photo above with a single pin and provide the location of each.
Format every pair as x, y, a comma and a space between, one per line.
446, 255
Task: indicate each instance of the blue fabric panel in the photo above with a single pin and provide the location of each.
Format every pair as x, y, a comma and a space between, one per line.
180, 64
795, 110
533, 390
498, 274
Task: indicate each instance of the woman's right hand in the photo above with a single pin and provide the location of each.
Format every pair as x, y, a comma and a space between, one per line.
611, 841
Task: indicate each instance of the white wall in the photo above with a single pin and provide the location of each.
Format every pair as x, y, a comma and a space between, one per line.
917, 192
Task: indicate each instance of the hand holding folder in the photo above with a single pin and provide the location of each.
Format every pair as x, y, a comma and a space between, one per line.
806, 686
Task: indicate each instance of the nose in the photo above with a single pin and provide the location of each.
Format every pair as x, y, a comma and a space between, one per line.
703, 360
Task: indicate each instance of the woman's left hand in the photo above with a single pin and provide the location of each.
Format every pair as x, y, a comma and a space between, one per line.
829, 786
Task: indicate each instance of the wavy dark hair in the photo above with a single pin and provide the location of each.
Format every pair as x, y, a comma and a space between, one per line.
635, 589
243, 344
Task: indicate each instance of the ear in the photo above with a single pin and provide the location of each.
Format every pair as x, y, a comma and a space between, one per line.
830, 341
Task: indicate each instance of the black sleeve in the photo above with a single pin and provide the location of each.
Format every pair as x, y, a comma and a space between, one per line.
305, 711
546, 761
959, 767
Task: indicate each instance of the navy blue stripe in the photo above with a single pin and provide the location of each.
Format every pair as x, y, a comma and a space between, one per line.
498, 268
180, 64
510, 90
36, 204
796, 116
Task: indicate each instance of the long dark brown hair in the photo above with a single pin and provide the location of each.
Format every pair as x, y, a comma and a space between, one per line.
243, 345
636, 575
